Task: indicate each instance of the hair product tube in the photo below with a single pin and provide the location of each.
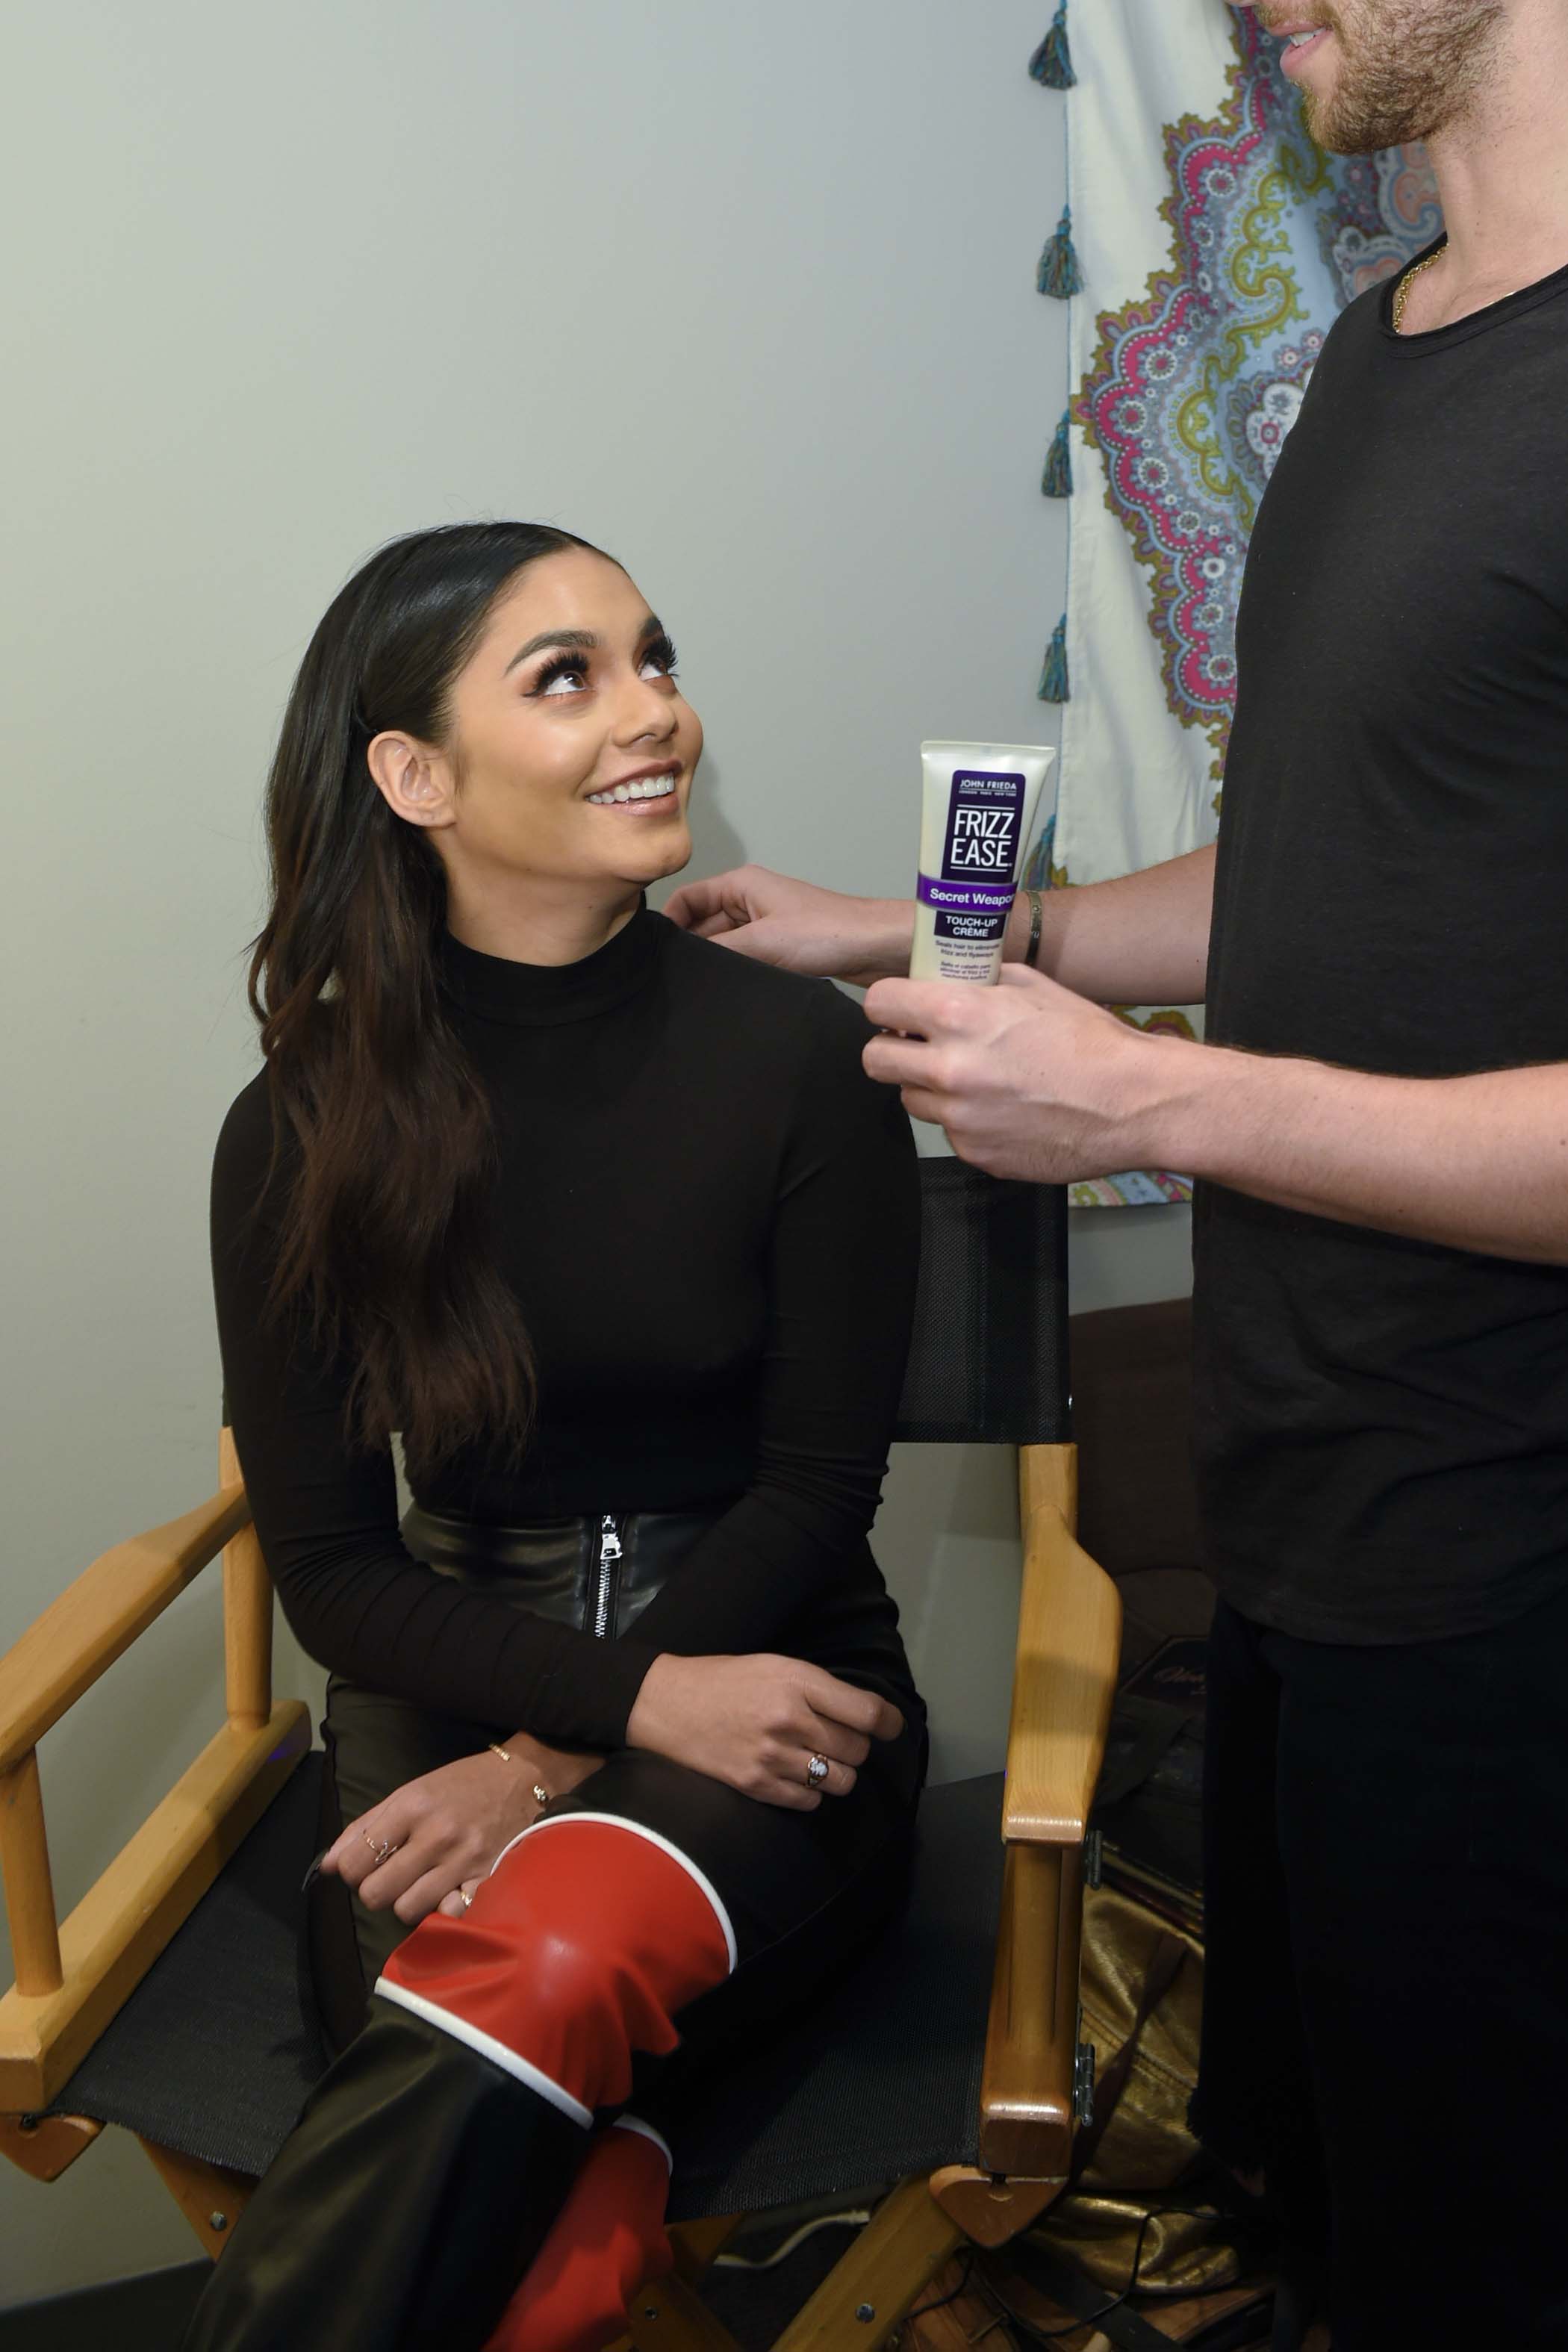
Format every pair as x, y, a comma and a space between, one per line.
977, 817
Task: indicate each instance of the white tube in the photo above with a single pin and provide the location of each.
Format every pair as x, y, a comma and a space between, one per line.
977, 818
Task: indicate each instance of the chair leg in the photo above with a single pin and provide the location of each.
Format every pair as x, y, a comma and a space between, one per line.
699, 2244
211, 2198
666, 2324
870, 2290
672, 2317
45, 2145
989, 2210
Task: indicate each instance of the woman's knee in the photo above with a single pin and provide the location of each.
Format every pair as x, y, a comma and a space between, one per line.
577, 1955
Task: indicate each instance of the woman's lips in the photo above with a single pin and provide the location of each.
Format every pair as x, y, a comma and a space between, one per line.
645, 797
646, 810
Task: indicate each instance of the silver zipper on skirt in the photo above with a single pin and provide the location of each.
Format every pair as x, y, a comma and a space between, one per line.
604, 1577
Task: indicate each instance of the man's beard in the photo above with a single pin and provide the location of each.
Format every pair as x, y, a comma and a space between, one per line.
1408, 69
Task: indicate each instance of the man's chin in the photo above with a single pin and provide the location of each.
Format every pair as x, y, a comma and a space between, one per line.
1327, 130
1327, 123
1327, 118
1338, 123
1359, 99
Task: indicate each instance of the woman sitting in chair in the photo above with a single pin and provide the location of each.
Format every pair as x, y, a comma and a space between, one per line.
611, 1228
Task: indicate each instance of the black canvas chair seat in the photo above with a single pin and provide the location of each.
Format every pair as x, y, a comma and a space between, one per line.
216, 2049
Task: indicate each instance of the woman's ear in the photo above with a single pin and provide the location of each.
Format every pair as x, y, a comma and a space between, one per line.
413, 780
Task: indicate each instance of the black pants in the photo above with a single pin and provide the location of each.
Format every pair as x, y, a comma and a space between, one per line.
806, 1892
1386, 2016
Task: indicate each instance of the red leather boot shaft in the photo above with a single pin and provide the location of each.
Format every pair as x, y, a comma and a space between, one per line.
579, 1950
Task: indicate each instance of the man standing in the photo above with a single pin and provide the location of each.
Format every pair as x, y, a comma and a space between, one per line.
1379, 1119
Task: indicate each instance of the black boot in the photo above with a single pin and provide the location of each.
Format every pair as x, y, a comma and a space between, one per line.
412, 2195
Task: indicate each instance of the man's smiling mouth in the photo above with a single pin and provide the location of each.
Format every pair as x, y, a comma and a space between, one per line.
1301, 40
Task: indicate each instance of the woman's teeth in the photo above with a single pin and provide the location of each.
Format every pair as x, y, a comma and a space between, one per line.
649, 788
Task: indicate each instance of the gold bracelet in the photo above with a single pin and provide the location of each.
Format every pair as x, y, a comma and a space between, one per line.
540, 1794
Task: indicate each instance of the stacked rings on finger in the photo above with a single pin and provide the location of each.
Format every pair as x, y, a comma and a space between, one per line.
816, 1770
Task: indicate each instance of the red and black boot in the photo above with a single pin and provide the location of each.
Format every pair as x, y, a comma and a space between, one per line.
428, 2166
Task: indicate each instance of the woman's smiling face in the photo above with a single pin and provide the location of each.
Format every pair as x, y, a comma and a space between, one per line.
571, 749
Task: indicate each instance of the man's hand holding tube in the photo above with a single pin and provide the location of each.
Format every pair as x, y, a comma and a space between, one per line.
1027, 1079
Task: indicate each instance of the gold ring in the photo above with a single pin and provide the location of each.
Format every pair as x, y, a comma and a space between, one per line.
381, 1847
541, 1795
467, 1898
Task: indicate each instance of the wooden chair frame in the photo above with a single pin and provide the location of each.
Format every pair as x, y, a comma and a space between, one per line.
72, 1976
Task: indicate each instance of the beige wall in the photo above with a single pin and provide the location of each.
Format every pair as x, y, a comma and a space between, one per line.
744, 294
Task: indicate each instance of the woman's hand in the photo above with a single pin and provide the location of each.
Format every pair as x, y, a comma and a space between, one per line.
447, 1827
756, 1722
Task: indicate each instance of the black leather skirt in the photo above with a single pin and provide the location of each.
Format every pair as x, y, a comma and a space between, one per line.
597, 1572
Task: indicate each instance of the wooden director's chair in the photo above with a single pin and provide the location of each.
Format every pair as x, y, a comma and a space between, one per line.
949, 2065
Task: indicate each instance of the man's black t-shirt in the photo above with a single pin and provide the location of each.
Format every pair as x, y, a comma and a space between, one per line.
1382, 1426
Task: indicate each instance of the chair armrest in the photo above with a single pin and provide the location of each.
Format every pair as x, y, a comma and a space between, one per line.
71, 1978
123, 1921
98, 1617
1069, 1639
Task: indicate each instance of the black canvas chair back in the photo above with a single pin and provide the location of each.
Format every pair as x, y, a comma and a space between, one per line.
988, 1362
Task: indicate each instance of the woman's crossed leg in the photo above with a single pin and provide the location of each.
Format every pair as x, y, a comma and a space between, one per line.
448, 2156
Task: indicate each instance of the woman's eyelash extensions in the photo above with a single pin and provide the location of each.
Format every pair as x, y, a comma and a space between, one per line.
560, 665
660, 650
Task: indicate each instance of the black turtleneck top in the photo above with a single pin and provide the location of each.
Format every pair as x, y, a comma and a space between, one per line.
710, 1218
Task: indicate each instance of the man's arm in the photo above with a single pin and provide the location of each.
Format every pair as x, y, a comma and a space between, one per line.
1030, 1081
1481, 1163
1142, 940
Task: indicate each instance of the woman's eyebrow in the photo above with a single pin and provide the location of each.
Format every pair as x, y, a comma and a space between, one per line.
580, 640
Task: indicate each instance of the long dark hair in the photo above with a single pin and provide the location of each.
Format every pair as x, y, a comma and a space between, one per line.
384, 1241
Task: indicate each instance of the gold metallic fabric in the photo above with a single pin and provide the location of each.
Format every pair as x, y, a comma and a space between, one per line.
1145, 2150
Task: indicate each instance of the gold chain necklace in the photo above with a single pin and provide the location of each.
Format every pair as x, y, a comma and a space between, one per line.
1402, 291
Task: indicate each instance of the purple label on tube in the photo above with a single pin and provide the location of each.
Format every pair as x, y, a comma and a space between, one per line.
984, 819
965, 897
976, 912
979, 855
